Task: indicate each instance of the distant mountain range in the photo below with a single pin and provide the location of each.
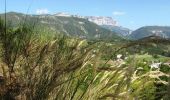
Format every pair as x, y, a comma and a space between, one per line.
99, 20
63, 24
123, 32
88, 27
161, 31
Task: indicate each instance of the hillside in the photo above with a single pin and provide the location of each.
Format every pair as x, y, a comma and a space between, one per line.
40, 67
71, 26
162, 31
121, 31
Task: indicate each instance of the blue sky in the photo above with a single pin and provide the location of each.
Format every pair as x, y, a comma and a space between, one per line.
129, 13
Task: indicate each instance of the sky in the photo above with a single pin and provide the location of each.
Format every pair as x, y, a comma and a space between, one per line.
132, 14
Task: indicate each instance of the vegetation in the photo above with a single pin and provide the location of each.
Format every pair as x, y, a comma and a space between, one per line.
37, 66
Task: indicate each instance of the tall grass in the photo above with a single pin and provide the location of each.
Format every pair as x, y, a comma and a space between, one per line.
38, 67
35, 68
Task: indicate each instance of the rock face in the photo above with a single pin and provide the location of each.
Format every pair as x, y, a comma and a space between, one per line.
100, 20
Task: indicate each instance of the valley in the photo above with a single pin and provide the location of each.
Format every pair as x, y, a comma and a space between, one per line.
65, 57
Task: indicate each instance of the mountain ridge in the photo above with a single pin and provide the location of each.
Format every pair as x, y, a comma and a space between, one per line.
71, 26
146, 31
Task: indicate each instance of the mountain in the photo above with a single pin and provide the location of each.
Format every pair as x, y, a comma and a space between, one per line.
162, 31
109, 23
121, 31
100, 20
63, 24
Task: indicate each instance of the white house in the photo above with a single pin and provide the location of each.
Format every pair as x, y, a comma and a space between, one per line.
155, 65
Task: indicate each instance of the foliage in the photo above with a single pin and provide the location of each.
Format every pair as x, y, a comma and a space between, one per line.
39, 66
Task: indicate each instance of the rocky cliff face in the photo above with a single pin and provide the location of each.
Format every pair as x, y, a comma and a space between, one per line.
99, 20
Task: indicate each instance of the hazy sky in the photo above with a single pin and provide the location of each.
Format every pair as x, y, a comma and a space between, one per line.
129, 13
